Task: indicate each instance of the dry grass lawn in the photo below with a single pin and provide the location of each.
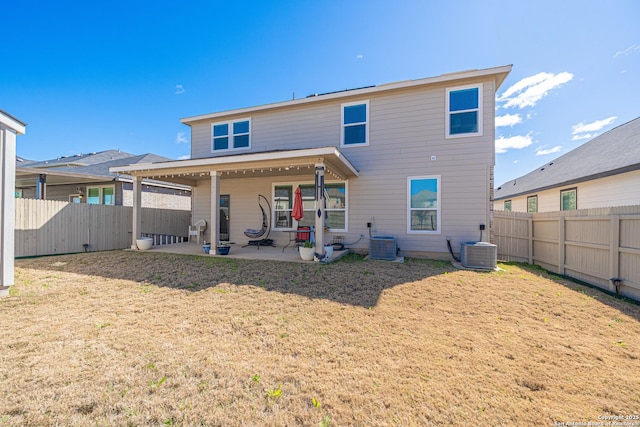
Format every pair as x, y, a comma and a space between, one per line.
150, 339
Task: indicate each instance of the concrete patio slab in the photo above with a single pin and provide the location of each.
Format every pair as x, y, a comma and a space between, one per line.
239, 252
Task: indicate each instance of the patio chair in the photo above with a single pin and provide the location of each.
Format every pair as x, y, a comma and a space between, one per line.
256, 235
197, 229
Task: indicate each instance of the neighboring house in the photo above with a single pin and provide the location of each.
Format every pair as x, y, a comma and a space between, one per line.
412, 159
603, 172
85, 178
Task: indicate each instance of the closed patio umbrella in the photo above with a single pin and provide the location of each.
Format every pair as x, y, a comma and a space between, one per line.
298, 212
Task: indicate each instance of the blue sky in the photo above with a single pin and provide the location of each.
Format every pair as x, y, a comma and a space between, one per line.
92, 76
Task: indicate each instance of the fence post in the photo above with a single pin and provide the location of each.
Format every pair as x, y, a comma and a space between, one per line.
614, 249
561, 245
530, 238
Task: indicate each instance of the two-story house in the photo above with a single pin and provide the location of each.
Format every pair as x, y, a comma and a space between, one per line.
412, 159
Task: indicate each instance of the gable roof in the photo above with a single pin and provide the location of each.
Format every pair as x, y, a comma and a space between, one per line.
614, 152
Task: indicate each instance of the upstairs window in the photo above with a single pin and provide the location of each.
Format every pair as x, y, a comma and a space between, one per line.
231, 136
464, 112
355, 124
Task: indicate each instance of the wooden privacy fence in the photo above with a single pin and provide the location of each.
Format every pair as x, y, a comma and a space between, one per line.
592, 245
47, 227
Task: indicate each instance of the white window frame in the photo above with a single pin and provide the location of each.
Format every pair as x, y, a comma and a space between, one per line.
101, 193
438, 209
366, 124
448, 113
294, 223
231, 136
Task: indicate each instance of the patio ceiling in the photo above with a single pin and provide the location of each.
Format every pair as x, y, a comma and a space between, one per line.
250, 165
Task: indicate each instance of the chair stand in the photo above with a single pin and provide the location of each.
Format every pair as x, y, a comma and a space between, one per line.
260, 242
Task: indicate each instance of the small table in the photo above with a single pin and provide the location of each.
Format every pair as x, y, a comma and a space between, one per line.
293, 236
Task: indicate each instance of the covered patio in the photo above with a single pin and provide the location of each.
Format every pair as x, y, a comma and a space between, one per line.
316, 162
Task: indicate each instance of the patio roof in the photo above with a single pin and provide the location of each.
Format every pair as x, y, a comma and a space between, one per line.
264, 164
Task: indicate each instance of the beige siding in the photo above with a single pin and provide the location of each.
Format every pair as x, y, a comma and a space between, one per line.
406, 128
617, 190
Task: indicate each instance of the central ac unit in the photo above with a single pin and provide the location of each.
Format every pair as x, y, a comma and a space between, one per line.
478, 255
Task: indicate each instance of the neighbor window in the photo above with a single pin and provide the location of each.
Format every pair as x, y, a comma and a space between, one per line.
507, 205
231, 136
532, 204
335, 206
355, 124
423, 200
464, 112
108, 196
569, 199
101, 195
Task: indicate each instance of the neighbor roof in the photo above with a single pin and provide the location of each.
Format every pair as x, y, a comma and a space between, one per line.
614, 152
81, 159
91, 167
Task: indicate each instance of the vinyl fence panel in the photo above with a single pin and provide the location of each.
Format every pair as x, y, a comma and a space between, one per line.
48, 227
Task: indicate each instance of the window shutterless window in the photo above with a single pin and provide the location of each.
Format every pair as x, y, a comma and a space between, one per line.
101, 195
569, 199
423, 204
507, 205
355, 124
231, 135
464, 111
108, 196
532, 204
335, 206
93, 195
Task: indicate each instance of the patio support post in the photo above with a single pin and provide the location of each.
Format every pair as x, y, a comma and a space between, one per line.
41, 187
214, 223
137, 211
9, 127
319, 208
